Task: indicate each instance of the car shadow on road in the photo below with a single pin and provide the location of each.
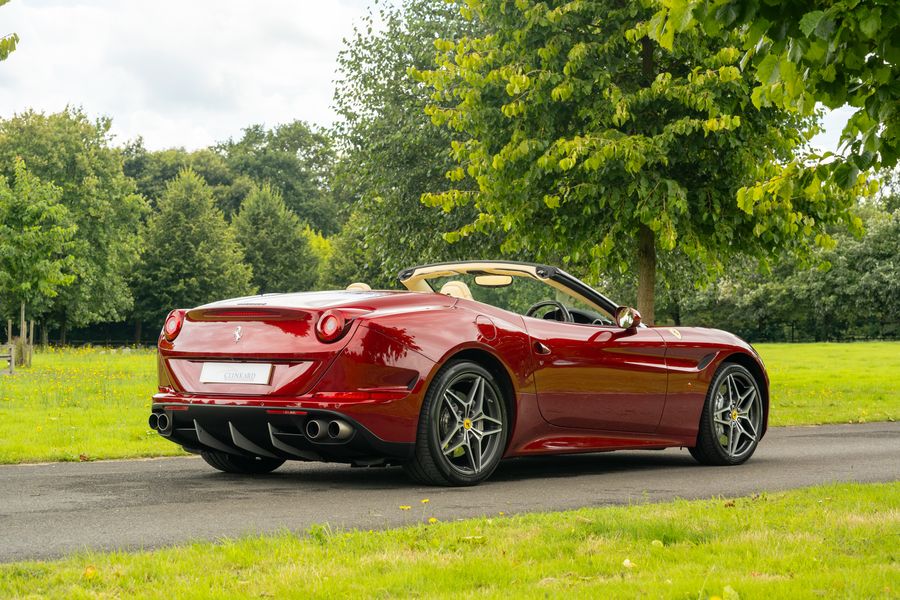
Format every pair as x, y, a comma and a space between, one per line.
336, 476
589, 464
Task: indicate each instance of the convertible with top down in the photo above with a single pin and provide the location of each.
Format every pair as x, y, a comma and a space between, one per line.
473, 362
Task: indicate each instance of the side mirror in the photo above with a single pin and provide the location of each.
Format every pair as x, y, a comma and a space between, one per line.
627, 317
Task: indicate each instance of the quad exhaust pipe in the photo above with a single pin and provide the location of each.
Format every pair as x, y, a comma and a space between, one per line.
339, 430
336, 430
316, 429
159, 422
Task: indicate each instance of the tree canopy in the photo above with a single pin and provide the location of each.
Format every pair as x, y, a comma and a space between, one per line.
35, 236
809, 51
390, 153
275, 243
152, 171
190, 256
75, 154
294, 158
591, 146
858, 295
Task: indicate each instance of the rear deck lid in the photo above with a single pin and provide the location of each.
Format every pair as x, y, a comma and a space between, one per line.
261, 346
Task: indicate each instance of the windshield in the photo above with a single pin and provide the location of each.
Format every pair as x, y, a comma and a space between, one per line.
522, 293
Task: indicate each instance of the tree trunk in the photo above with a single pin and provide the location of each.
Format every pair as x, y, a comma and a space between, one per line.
647, 66
646, 274
676, 313
23, 333
62, 334
138, 329
45, 335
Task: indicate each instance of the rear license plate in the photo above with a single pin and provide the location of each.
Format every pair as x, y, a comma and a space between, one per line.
247, 373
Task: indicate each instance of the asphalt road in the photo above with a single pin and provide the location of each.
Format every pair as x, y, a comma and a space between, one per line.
49, 510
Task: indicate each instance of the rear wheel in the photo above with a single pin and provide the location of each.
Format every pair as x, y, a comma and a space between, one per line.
248, 465
732, 418
462, 427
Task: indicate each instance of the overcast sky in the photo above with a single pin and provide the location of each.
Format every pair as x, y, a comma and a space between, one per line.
186, 73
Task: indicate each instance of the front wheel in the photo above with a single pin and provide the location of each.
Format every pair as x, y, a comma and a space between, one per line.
732, 418
245, 465
462, 427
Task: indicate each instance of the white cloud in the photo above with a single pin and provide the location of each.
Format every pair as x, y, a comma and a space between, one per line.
178, 73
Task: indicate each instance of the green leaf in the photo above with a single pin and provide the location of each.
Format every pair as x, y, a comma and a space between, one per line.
871, 23
768, 70
845, 175
810, 21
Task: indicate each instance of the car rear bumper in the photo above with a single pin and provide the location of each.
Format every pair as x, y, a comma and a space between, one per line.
272, 430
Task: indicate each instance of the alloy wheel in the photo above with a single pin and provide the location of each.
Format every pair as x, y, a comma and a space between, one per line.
737, 414
470, 423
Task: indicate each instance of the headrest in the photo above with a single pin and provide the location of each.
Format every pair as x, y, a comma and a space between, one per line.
457, 289
359, 287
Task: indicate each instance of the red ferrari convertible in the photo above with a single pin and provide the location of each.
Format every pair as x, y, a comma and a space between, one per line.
474, 362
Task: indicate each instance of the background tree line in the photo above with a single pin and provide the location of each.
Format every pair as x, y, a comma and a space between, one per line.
575, 134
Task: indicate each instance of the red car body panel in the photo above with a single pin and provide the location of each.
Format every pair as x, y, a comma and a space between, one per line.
572, 388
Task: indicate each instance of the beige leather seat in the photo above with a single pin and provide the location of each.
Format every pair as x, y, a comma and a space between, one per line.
359, 287
457, 289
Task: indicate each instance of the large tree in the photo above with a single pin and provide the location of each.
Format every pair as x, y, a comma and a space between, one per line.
190, 255
590, 145
295, 158
74, 153
35, 236
275, 243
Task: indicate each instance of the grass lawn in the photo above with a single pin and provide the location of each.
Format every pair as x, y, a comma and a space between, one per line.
78, 404
825, 542
833, 383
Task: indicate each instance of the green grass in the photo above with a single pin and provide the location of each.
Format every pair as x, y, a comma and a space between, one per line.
93, 403
80, 404
834, 541
833, 383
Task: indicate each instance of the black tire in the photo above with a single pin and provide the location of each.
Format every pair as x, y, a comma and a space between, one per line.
244, 465
732, 387
431, 464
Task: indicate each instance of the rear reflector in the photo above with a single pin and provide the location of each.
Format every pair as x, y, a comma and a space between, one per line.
176, 407
361, 395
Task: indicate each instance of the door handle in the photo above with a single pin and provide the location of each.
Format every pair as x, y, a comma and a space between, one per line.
540, 348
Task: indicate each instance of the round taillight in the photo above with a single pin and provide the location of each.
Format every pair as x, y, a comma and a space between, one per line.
331, 326
173, 324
